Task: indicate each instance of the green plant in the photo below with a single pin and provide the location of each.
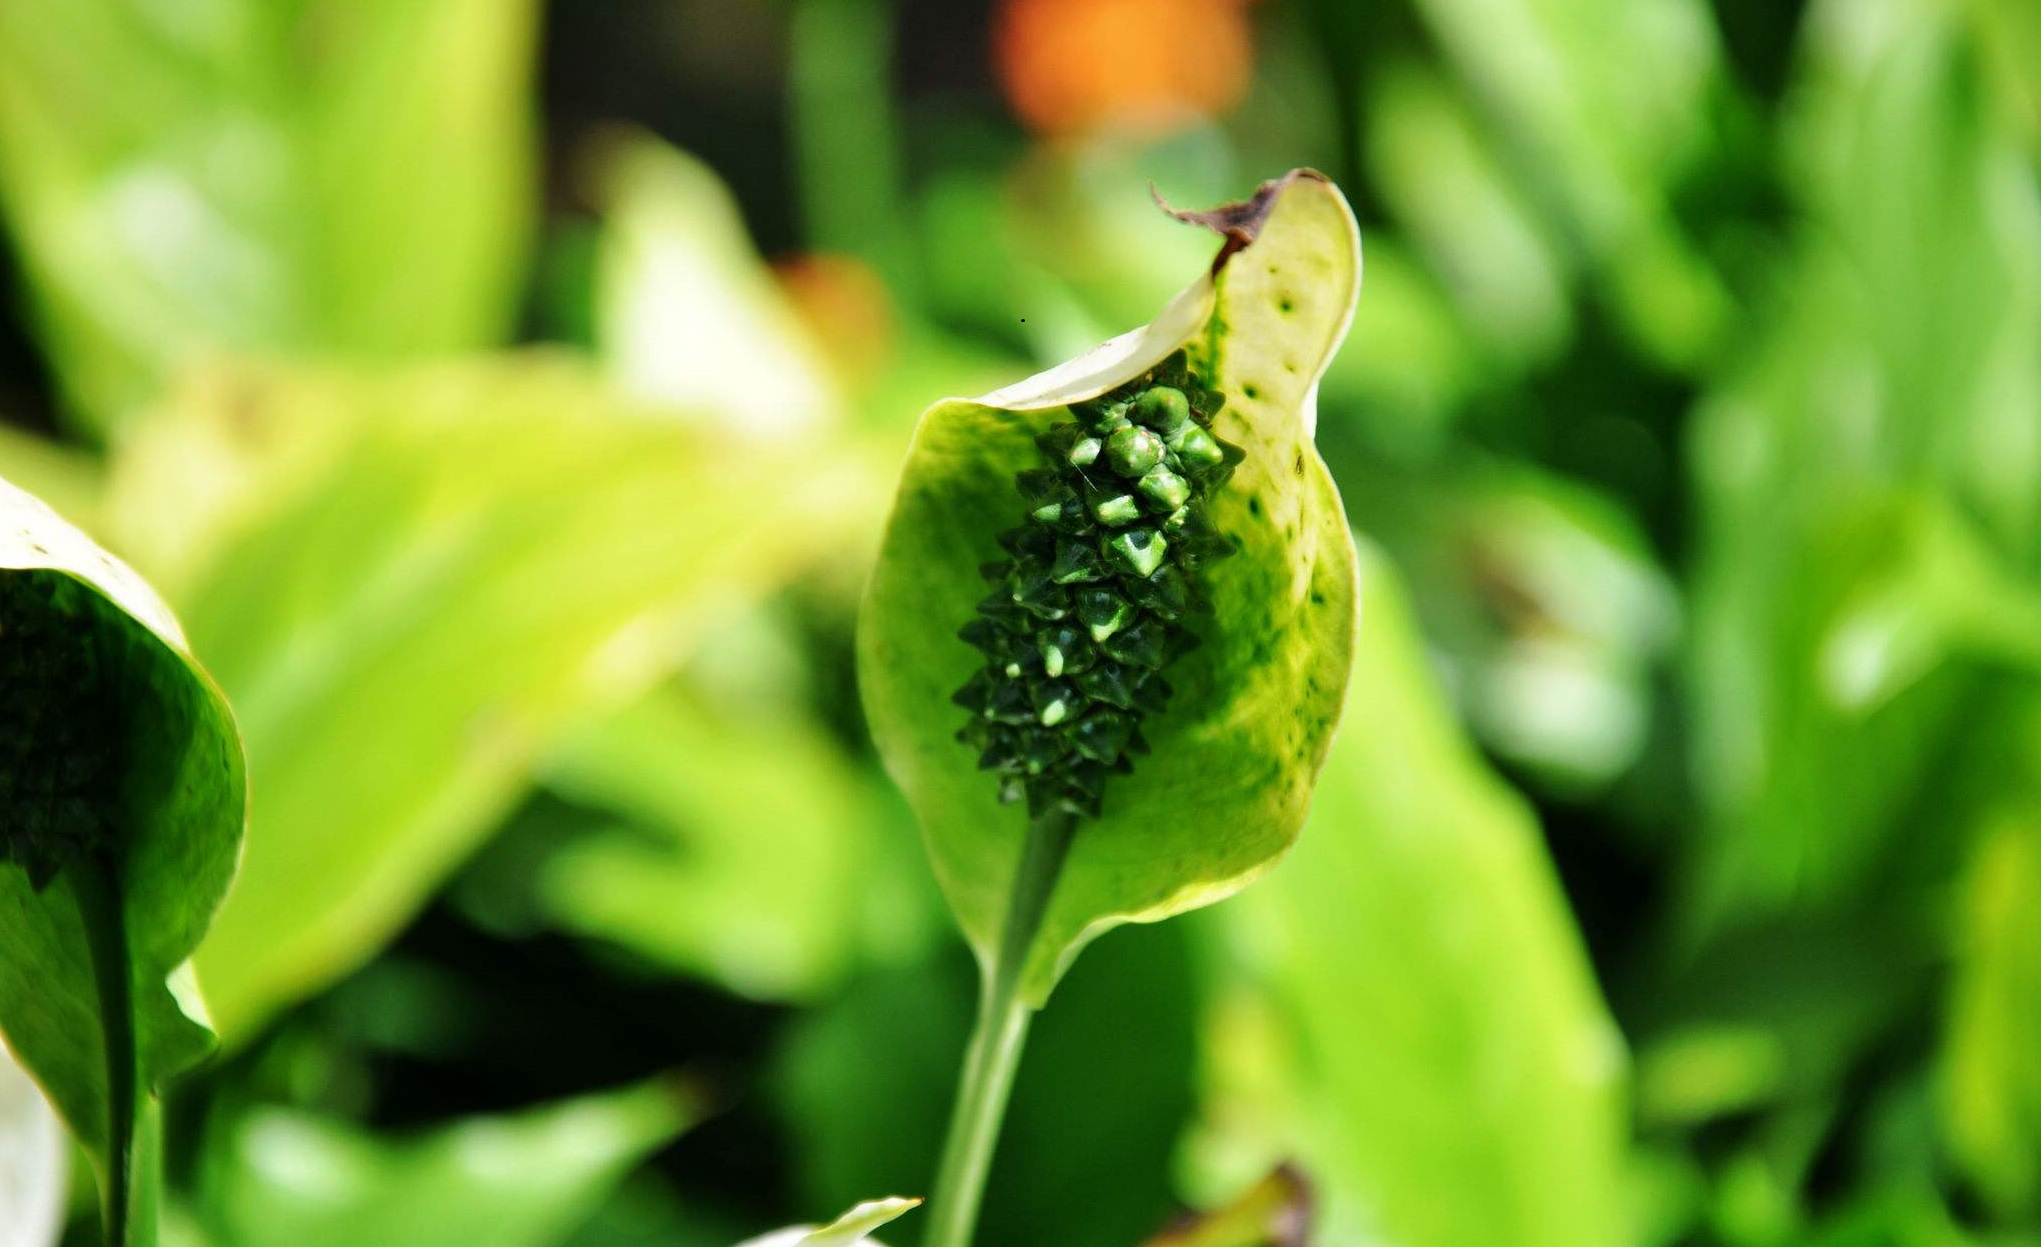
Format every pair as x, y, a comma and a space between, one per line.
1232, 752
121, 789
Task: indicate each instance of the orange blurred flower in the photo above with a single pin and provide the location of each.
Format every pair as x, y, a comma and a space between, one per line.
1151, 66
848, 308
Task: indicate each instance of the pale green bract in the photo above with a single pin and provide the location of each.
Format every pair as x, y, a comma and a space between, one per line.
1236, 753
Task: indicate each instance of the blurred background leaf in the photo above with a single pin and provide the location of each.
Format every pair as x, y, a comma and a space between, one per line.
282, 1178
1411, 1012
1993, 1087
192, 178
453, 565
741, 855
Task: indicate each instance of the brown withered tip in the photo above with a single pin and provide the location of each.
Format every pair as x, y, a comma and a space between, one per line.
1238, 223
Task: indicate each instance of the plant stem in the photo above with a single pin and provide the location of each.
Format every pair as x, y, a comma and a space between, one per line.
95, 884
994, 1054
1002, 1029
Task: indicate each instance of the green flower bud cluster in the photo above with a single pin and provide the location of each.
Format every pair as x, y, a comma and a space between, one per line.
1092, 602
60, 726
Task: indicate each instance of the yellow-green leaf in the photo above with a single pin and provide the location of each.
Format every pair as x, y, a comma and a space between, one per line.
1991, 1085
414, 593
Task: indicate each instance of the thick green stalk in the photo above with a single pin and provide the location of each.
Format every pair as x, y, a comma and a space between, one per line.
996, 1042
95, 883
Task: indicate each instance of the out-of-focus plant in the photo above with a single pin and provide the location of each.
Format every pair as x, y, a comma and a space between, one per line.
458, 563
121, 807
684, 310
1140, 465
283, 1176
306, 179
1406, 1007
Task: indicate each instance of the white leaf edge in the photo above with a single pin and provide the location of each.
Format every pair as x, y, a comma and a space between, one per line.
35, 538
35, 1161
1114, 362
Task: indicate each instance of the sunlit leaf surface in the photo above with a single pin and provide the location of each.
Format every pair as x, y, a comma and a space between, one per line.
322, 176
410, 598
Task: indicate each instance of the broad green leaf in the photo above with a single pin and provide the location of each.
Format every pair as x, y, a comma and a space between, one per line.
1418, 1023
1991, 1081
283, 1178
34, 1162
95, 996
1226, 787
311, 177
848, 1230
416, 592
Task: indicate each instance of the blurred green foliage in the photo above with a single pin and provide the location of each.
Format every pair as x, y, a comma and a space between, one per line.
1674, 880
1491, 1068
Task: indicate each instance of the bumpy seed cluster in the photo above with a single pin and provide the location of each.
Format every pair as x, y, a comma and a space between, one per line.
1090, 607
59, 727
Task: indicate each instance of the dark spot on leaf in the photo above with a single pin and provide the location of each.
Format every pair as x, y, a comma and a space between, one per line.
1285, 306
1250, 391
1254, 506
1300, 463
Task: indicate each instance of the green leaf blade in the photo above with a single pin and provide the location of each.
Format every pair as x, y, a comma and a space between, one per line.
457, 563
177, 805
1422, 1016
522, 1179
